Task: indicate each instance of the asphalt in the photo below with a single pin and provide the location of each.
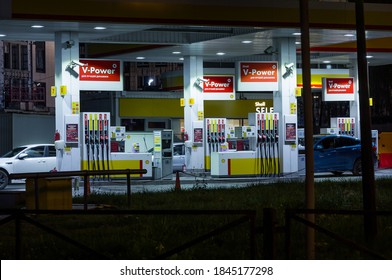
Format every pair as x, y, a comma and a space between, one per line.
186, 181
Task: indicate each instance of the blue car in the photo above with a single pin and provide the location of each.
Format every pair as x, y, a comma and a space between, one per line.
337, 154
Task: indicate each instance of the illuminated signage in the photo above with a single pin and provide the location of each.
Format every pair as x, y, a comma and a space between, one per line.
261, 107
100, 70
218, 84
259, 72
96, 74
257, 76
218, 87
338, 89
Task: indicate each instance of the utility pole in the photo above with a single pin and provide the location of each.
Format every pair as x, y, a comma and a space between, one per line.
368, 181
308, 112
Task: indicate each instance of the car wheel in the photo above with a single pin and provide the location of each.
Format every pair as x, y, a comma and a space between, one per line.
3, 179
357, 168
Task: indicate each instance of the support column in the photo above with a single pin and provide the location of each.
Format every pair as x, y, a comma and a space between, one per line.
193, 113
354, 105
67, 98
285, 102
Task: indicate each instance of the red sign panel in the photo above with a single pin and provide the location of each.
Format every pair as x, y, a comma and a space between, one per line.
218, 84
259, 72
100, 70
339, 85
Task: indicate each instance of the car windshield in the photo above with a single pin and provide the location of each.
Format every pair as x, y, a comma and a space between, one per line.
316, 139
13, 152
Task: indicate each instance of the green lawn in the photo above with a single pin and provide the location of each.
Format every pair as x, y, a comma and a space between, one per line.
138, 236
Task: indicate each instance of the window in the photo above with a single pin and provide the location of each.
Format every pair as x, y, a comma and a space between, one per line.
40, 61
7, 58
25, 57
133, 124
36, 152
51, 151
328, 143
344, 142
178, 150
15, 57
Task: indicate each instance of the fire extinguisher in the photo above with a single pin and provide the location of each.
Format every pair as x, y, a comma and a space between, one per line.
56, 135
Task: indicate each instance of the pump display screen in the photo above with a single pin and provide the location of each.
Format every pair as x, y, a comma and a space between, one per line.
166, 144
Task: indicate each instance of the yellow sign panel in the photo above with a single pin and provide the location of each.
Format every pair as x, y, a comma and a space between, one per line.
53, 91
293, 108
75, 108
200, 115
63, 90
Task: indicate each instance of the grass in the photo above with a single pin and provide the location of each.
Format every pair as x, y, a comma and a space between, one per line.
145, 237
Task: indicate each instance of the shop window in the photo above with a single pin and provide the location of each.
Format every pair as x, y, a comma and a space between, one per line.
133, 124
156, 125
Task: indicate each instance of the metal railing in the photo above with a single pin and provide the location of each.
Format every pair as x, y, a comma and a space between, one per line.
19, 215
86, 174
294, 215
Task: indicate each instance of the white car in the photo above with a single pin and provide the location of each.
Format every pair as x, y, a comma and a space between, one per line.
178, 156
27, 159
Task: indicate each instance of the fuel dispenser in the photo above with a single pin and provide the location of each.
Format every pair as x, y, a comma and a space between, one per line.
242, 138
344, 126
267, 147
215, 135
117, 138
163, 154
253, 150
95, 141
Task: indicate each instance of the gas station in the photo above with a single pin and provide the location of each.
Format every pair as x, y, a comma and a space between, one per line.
265, 144
240, 99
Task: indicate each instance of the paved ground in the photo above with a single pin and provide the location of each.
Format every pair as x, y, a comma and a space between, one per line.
189, 181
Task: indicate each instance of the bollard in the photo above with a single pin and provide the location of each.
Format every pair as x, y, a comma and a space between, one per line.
178, 185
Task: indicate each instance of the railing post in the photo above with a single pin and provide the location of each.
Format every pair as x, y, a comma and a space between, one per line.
36, 192
287, 227
18, 236
129, 188
85, 186
269, 225
252, 222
